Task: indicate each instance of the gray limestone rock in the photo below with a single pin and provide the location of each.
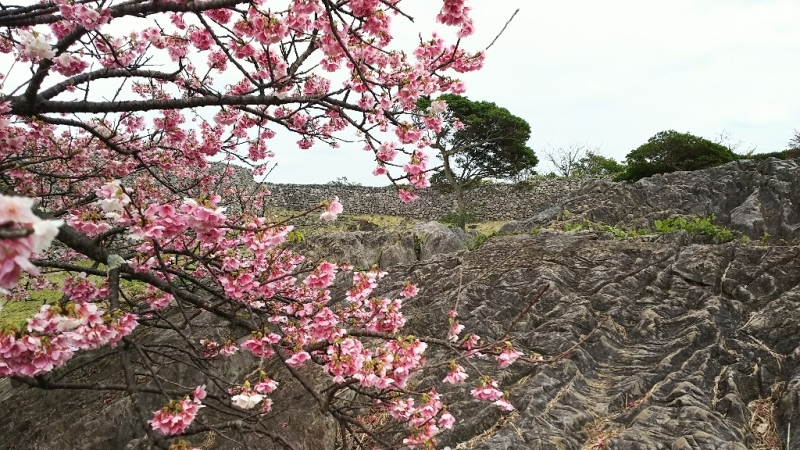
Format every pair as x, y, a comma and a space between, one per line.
752, 197
435, 238
386, 248
667, 343
540, 219
657, 342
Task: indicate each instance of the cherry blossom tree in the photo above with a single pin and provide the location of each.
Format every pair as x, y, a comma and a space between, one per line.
109, 115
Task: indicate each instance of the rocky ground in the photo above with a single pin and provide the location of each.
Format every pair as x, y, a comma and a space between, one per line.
673, 345
661, 341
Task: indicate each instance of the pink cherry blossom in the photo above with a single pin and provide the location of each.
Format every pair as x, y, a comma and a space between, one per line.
246, 400
487, 391
44, 232
228, 349
16, 209
112, 197
446, 420
298, 359
406, 196
35, 46
265, 386
332, 209
409, 291
322, 277
456, 375
386, 152
504, 404
507, 357
176, 417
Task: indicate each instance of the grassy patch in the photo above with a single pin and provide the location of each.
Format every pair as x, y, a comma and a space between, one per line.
697, 225
394, 223
693, 224
479, 240
490, 227
15, 312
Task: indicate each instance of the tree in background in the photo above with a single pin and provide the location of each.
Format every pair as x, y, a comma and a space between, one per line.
104, 140
476, 140
794, 146
566, 160
670, 151
593, 164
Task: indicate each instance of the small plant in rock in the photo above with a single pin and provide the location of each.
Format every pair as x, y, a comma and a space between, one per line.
576, 226
479, 240
455, 219
694, 224
418, 241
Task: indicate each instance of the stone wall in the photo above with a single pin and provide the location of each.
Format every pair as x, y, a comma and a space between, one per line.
491, 202
495, 202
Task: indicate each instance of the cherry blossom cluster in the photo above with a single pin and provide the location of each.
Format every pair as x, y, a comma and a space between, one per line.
248, 397
213, 348
54, 334
176, 417
130, 176
426, 420
22, 234
488, 391
332, 210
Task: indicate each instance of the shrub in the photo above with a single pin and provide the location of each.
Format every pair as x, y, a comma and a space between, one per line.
670, 151
763, 156
596, 165
454, 219
479, 240
785, 154
694, 224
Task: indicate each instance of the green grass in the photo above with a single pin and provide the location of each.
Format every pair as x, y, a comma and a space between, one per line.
693, 224
15, 312
697, 225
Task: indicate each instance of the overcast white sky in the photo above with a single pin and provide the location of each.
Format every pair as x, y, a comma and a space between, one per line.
612, 73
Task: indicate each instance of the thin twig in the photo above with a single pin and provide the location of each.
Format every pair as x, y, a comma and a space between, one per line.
522, 313
503, 30
566, 352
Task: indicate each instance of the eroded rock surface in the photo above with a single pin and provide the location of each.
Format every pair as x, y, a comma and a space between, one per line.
753, 197
387, 248
685, 338
661, 342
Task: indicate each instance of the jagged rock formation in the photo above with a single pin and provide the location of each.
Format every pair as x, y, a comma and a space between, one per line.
686, 338
421, 242
753, 197
657, 342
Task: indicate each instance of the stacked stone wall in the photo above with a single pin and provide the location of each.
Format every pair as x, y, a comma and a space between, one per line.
493, 202
490, 202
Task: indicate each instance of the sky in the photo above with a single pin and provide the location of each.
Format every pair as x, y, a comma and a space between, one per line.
611, 74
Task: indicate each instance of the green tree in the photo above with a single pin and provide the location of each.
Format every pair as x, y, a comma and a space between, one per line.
670, 151
477, 140
596, 165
